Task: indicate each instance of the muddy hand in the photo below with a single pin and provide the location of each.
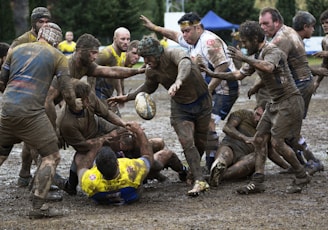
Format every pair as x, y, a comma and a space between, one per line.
235, 53
174, 88
321, 54
117, 99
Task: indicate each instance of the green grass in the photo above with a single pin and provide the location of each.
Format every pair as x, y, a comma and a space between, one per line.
314, 61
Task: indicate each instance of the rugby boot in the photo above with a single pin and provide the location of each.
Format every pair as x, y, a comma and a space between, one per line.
301, 179
256, 185
199, 186
42, 210
216, 173
24, 181
314, 166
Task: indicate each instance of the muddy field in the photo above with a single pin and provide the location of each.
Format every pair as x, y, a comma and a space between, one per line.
166, 205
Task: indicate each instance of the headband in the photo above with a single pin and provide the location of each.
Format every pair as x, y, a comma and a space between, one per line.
187, 23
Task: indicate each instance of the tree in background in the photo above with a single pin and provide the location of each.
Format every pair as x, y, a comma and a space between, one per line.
287, 9
98, 17
7, 30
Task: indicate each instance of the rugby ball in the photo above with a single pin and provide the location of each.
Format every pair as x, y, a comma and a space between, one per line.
145, 106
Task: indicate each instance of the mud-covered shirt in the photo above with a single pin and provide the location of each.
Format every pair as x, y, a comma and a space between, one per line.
75, 71
77, 128
26, 85
280, 83
213, 51
246, 126
27, 37
122, 189
288, 40
166, 74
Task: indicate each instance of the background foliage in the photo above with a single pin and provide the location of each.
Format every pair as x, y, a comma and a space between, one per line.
102, 17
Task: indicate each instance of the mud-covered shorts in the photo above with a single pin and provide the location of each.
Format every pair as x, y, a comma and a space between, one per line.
198, 112
238, 147
283, 119
36, 131
306, 89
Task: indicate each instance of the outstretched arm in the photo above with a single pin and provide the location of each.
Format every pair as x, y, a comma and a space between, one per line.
261, 65
170, 34
184, 69
116, 72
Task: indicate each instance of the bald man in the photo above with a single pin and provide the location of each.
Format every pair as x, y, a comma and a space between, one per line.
113, 55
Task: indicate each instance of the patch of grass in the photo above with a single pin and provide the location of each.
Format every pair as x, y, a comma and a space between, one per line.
313, 61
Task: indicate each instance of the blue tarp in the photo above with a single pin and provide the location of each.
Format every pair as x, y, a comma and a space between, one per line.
212, 21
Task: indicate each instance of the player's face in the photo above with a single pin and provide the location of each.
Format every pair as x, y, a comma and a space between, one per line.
122, 40
40, 23
88, 56
258, 114
190, 34
69, 36
308, 31
151, 62
270, 28
324, 25
250, 45
133, 56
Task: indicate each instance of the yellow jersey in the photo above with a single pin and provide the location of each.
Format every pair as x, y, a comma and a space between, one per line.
120, 190
67, 48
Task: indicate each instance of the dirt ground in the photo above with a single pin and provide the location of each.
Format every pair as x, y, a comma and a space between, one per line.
166, 205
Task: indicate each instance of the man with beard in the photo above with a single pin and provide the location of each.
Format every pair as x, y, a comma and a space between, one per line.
25, 79
189, 97
208, 48
271, 65
289, 41
39, 17
81, 63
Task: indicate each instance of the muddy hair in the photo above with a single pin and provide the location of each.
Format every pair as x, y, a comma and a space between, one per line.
82, 89
87, 41
252, 30
275, 14
324, 16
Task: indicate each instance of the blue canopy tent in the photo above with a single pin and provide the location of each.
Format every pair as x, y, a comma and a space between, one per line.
212, 21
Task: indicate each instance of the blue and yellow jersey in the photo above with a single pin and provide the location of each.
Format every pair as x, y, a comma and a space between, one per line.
67, 48
123, 189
